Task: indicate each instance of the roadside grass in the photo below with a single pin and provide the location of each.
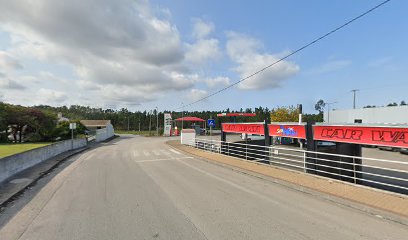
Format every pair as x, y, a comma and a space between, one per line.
142, 133
7, 149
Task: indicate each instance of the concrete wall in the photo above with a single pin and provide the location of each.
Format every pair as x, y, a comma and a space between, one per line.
391, 115
16, 163
104, 133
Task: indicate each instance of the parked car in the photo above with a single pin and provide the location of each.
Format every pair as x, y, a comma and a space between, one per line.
404, 150
392, 149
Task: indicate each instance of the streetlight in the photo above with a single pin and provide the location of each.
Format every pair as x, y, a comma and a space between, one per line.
328, 111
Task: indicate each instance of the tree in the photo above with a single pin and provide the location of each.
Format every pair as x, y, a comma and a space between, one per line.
403, 103
285, 114
3, 123
319, 106
392, 104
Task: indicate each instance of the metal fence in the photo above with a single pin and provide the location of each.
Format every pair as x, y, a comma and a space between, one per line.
391, 175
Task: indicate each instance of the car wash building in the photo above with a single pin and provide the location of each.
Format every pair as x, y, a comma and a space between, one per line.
374, 115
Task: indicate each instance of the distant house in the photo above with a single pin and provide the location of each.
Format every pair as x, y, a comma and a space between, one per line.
60, 118
96, 124
101, 129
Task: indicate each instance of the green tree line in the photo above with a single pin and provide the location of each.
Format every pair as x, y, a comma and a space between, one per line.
39, 123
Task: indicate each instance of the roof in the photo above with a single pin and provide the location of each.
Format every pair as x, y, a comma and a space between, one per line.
190, 119
236, 114
95, 123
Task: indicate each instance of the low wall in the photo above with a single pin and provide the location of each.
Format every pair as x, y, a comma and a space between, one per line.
104, 133
16, 163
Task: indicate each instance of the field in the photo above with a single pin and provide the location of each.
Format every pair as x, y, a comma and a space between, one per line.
8, 149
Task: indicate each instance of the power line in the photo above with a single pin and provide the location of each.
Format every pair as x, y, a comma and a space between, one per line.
289, 55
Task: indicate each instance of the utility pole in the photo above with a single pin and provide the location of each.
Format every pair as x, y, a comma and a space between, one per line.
328, 110
139, 122
157, 121
128, 122
182, 116
354, 97
150, 123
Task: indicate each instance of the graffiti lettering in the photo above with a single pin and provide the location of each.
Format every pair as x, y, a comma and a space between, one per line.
390, 136
342, 133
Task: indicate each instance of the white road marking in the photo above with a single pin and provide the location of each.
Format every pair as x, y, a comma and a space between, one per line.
135, 153
165, 152
162, 159
155, 152
146, 153
174, 151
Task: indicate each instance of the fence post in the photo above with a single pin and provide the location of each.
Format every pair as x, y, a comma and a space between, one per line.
267, 140
246, 151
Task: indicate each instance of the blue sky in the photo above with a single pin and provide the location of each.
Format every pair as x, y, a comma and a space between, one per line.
143, 54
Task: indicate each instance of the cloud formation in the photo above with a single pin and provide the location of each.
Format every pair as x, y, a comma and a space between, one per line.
112, 44
246, 53
204, 48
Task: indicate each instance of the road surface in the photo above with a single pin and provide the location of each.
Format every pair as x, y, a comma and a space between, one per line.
139, 188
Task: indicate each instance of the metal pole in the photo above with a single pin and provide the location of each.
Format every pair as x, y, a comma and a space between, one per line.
150, 122
72, 138
354, 97
157, 121
139, 124
128, 122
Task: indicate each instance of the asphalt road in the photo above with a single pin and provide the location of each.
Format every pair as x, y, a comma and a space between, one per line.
139, 188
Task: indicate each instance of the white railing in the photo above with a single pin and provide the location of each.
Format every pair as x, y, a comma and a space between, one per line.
386, 174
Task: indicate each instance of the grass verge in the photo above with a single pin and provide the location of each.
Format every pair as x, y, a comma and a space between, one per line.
7, 149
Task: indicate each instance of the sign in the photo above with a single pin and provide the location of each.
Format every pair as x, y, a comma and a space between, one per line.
236, 114
287, 130
211, 123
381, 136
167, 124
250, 128
72, 126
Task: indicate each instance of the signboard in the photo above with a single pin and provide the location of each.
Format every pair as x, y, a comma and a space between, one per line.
236, 114
72, 126
287, 130
167, 124
381, 136
249, 128
211, 123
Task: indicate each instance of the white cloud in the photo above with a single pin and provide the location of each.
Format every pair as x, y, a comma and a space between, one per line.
50, 96
217, 82
119, 44
10, 84
203, 50
330, 66
9, 63
380, 62
202, 29
245, 52
196, 94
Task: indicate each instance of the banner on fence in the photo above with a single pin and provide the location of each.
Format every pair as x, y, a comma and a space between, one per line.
249, 128
287, 130
381, 136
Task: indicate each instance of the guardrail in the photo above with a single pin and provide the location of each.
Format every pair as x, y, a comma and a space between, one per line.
391, 175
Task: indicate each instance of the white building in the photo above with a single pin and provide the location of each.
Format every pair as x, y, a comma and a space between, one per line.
377, 115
